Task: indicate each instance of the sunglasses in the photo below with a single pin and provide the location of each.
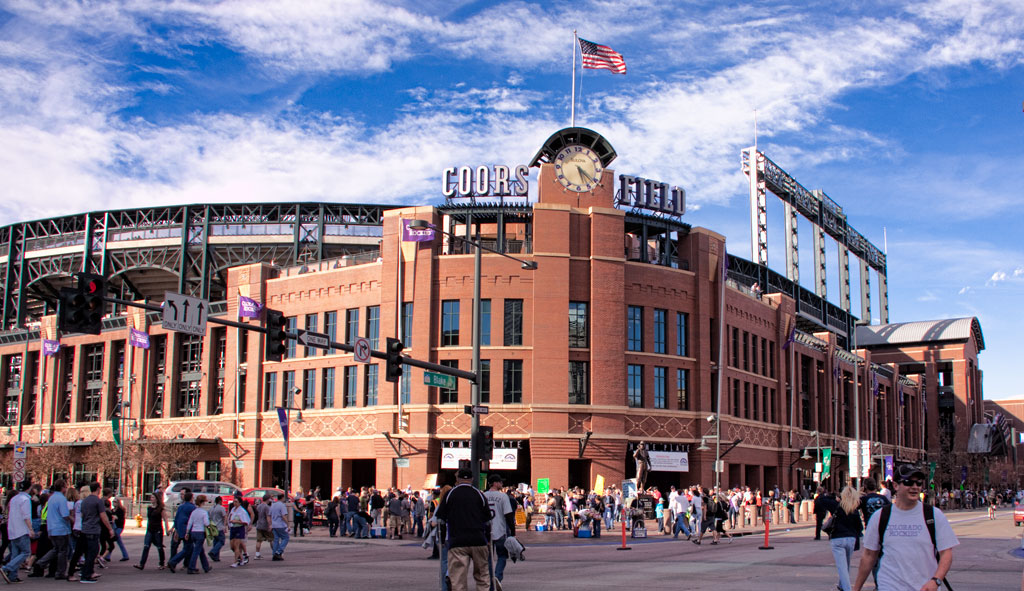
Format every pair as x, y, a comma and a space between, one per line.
912, 482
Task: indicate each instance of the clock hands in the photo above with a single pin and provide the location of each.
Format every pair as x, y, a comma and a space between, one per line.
584, 174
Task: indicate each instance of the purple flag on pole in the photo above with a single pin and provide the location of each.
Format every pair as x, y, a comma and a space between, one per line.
248, 307
412, 235
791, 338
50, 348
138, 338
282, 418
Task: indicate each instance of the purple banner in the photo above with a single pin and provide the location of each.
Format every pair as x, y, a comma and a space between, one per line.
411, 235
887, 475
50, 348
138, 338
248, 307
282, 418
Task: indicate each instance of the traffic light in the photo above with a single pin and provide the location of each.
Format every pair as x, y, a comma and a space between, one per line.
276, 343
80, 309
485, 441
394, 366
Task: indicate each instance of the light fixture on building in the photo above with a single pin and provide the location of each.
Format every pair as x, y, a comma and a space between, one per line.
299, 418
703, 445
806, 455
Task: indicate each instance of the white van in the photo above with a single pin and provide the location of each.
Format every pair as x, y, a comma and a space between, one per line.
210, 488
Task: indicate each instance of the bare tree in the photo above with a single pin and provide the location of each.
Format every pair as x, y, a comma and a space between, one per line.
50, 459
170, 457
103, 457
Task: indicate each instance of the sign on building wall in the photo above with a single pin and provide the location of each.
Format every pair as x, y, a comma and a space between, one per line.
669, 461
504, 459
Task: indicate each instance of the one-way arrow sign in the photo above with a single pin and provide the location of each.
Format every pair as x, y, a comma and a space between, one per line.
312, 339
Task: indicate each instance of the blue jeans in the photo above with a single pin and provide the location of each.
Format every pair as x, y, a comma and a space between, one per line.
218, 543
680, 526
198, 539
183, 554
155, 538
280, 540
346, 518
608, 515
502, 554
842, 550
21, 549
360, 527
120, 544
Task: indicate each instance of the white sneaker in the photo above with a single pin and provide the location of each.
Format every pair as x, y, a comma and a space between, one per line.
236, 564
258, 557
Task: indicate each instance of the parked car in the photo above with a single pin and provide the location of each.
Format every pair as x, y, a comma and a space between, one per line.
251, 493
210, 488
1018, 514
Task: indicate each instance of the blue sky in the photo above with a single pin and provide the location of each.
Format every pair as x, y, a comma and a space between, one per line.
909, 114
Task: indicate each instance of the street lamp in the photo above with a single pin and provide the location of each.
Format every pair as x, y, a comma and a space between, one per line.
475, 390
288, 408
817, 452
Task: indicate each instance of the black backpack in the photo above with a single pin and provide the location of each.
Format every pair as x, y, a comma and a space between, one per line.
929, 522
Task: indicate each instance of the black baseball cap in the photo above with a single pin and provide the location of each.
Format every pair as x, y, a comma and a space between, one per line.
907, 471
464, 474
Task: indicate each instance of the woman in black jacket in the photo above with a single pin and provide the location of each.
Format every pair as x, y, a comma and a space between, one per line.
846, 530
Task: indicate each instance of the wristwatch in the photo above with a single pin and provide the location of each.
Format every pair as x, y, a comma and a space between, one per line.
938, 582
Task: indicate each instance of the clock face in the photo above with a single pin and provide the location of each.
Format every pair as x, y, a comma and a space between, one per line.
578, 168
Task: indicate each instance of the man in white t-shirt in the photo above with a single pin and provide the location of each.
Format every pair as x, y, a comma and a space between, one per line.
680, 505
503, 523
908, 556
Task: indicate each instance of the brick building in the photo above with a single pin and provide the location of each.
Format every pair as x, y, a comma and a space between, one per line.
613, 339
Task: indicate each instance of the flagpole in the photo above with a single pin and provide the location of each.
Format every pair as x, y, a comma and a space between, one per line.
575, 43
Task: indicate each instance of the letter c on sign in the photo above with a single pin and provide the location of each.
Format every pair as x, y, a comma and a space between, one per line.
446, 182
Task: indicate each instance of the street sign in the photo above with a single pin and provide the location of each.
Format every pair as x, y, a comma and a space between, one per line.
19, 464
479, 409
401, 462
20, 449
439, 380
19, 475
239, 464
361, 350
312, 339
185, 314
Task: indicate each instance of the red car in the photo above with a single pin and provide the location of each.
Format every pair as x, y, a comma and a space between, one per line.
1018, 514
251, 493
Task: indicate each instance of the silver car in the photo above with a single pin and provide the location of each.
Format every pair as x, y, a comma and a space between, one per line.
210, 488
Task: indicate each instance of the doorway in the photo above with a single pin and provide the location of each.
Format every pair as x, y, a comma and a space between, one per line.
364, 473
320, 477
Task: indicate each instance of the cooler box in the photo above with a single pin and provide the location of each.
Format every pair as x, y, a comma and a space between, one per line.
378, 532
584, 532
542, 528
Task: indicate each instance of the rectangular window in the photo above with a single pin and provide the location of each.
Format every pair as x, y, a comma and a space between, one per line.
754, 341
771, 359
635, 328
158, 349
735, 347
407, 324
660, 387
370, 396
737, 408
241, 392
682, 378
682, 338
635, 386
405, 391
579, 382
291, 325
351, 325
485, 322
755, 400
269, 390
351, 385
331, 329
746, 400
513, 382
485, 380
373, 326
764, 356
513, 323
311, 326
327, 388
211, 470
188, 398
450, 323
449, 395
746, 351
578, 337
660, 330
309, 388
288, 389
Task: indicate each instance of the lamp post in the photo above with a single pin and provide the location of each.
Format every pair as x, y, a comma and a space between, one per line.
817, 452
288, 408
475, 390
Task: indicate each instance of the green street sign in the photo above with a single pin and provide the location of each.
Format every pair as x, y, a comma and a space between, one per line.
543, 485
439, 380
826, 462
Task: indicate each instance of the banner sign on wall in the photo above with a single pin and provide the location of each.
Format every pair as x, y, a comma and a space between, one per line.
669, 461
504, 459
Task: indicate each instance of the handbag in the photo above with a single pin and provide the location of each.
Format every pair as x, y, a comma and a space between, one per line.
212, 531
829, 525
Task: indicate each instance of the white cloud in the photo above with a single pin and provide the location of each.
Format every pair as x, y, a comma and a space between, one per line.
965, 290
996, 278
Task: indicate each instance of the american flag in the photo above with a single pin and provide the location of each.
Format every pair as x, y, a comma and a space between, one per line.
601, 57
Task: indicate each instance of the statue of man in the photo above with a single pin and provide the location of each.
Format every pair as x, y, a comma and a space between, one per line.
643, 466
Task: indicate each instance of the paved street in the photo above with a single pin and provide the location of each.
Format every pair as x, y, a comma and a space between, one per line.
983, 562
